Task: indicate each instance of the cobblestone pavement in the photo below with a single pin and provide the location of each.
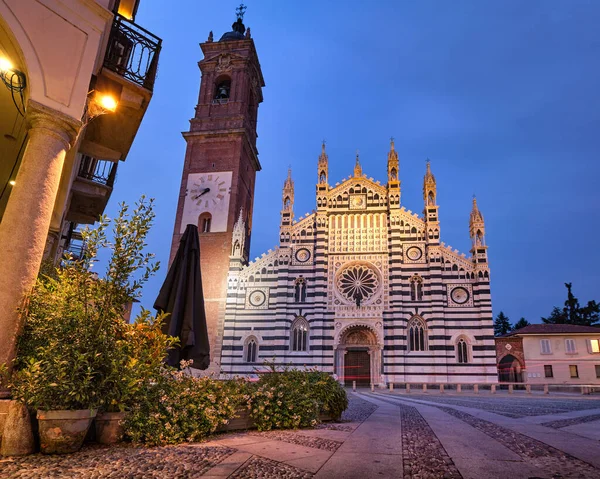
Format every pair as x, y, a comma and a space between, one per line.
117, 462
423, 454
547, 458
259, 467
513, 407
358, 409
571, 422
299, 439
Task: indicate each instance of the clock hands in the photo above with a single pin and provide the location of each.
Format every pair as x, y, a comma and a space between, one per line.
206, 190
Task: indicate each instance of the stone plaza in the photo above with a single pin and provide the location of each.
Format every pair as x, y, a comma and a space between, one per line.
382, 434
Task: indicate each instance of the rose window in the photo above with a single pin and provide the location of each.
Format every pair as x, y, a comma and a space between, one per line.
357, 281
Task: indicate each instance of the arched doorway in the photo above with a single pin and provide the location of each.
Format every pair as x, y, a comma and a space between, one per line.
510, 370
358, 356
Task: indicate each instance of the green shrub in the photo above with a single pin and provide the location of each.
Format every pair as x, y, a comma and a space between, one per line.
288, 398
75, 351
177, 407
328, 393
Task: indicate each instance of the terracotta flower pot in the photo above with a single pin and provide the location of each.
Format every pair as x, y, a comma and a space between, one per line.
109, 427
63, 432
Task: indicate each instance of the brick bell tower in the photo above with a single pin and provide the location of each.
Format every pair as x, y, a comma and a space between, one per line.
220, 166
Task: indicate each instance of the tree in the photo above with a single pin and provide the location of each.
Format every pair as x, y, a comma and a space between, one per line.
502, 325
521, 323
573, 313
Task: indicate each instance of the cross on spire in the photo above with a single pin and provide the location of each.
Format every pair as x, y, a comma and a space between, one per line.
239, 11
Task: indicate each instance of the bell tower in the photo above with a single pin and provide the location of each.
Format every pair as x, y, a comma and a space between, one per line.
220, 165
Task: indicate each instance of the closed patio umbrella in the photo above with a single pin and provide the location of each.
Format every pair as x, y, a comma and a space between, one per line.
181, 296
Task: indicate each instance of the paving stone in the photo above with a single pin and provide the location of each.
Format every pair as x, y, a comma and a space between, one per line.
556, 463
513, 407
260, 467
572, 421
297, 438
92, 462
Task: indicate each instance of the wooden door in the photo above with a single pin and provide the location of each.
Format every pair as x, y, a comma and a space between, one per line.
357, 367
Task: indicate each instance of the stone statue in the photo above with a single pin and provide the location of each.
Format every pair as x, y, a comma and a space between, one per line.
210, 37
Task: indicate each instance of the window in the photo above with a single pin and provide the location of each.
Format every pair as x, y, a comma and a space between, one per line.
416, 335
251, 350
573, 370
597, 370
548, 373
204, 223
570, 346
462, 351
545, 346
594, 345
300, 290
416, 288
299, 336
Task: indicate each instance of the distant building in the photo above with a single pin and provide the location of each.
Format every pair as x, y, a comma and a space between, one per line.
551, 354
361, 287
77, 78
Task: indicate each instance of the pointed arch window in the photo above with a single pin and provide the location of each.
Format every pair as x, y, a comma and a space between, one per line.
393, 174
300, 290
416, 288
417, 335
322, 177
462, 351
299, 335
251, 350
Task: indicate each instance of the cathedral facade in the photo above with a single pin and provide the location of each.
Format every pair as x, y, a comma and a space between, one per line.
362, 287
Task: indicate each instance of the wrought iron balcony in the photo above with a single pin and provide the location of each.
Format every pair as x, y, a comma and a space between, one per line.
102, 172
133, 52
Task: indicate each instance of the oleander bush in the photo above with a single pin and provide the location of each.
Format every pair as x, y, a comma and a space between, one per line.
289, 398
178, 407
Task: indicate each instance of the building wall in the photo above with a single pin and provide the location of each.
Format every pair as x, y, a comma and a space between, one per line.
395, 246
560, 360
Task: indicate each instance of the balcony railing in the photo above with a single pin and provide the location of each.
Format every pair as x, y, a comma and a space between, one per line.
133, 52
102, 172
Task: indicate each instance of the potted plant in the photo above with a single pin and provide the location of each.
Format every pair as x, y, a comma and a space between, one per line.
73, 348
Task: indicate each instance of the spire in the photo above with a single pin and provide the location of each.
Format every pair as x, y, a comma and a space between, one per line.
392, 163
289, 183
429, 187
322, 172
428, 175
238, 238
288, 192
476, 215
392, 155
476, 226
357, 167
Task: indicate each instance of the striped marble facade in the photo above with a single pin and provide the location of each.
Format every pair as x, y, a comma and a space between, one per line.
362, 279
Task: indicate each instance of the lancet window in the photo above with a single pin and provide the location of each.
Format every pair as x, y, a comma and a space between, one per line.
300, 290
416, 288
417, 338
299, 335
251, 350
462, 351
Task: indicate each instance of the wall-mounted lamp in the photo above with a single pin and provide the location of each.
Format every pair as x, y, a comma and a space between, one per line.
99, 104
12, 182
107, 102
14, 80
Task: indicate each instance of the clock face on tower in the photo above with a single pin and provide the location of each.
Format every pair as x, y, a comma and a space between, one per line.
207, 193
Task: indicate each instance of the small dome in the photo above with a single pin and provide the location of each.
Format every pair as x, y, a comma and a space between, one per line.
237, 33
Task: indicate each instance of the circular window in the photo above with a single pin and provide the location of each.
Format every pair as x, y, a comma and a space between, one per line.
302, 255
414, 253
257, 298
357, 281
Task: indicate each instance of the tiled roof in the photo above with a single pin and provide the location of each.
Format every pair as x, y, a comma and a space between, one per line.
554, 329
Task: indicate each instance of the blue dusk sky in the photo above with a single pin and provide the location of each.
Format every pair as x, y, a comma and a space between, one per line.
502, 96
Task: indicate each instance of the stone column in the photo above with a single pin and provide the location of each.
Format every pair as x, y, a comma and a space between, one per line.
26, 220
